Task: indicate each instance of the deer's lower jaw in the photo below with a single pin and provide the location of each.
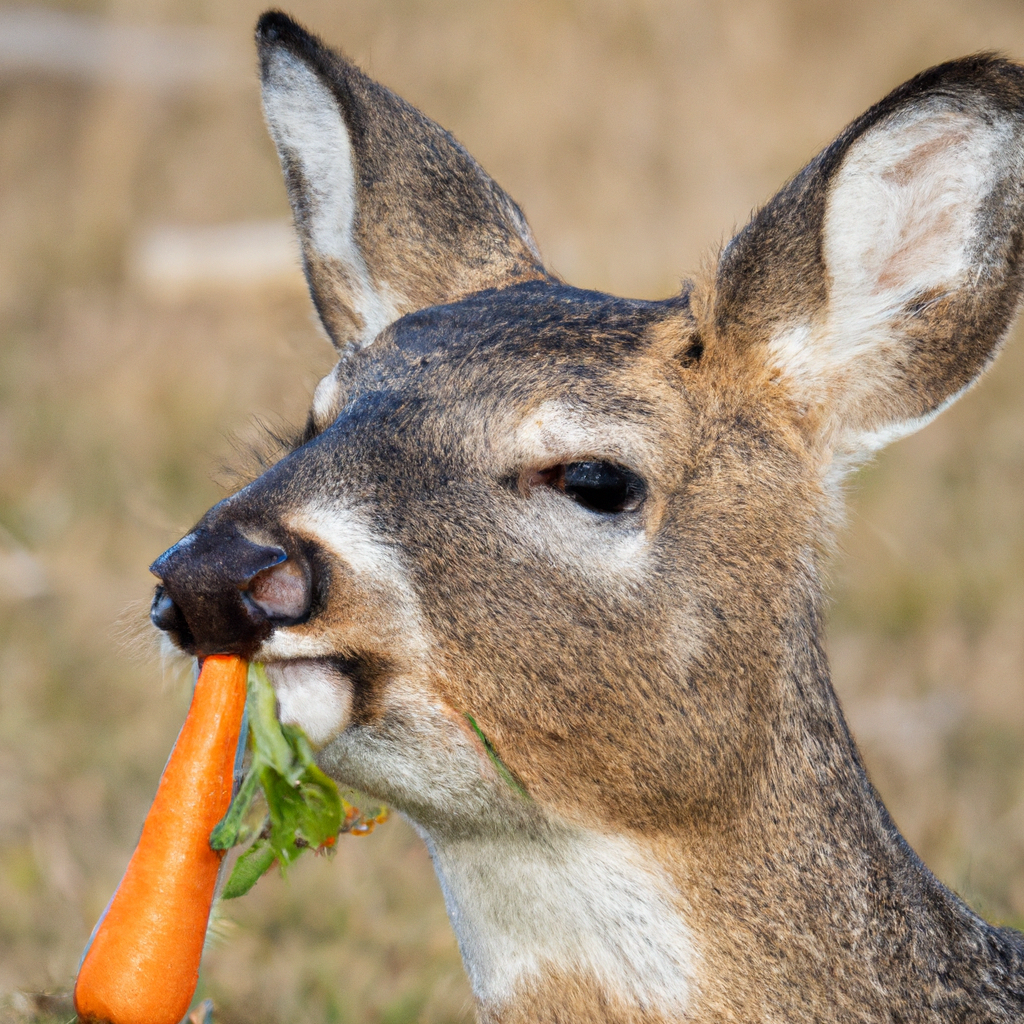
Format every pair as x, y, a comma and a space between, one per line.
393, 738
533, 899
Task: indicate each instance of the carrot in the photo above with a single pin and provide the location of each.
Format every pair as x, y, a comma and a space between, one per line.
142, 963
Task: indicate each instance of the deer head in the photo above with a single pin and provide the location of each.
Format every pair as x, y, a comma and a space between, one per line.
543, 570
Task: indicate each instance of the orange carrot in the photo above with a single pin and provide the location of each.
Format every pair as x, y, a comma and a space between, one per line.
142, 964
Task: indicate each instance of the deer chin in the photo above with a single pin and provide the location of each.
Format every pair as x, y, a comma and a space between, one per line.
396, 740
313, 694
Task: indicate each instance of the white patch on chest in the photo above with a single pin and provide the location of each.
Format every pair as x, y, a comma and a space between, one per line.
572, 903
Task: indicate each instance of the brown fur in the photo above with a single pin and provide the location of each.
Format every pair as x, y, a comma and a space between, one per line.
655, 676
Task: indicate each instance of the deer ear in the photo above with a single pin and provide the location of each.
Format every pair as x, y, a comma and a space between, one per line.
879, 284
392, 213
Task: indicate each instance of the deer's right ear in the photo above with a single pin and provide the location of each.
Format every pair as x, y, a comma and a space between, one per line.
392, 213
879, 284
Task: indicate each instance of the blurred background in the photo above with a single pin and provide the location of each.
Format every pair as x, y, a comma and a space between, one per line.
151, 311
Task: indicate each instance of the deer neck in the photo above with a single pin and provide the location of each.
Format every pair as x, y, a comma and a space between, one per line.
564, 922
810, 895
813, 906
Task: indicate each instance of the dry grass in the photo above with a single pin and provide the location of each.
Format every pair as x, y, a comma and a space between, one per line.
633, 134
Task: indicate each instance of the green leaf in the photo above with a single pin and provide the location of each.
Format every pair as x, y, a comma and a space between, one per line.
300, 745
249, 869
284, 814
320, 811
304, 807
502, 769
228, 831
268, 738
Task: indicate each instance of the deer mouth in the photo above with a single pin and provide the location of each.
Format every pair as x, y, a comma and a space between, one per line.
316, 694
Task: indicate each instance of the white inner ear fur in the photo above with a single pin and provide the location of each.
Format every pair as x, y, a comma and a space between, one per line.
902, 213
901, 222
306, 124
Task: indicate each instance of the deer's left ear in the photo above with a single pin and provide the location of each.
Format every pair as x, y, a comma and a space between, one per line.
879, 284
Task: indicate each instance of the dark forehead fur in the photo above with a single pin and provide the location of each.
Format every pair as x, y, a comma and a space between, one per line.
521, 344
533, 316
539, 319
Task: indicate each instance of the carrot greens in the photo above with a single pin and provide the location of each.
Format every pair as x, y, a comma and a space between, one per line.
301, 807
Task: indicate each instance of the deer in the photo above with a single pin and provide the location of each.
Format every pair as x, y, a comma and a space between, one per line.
544, 569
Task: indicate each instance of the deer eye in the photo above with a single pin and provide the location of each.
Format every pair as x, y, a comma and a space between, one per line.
599, 486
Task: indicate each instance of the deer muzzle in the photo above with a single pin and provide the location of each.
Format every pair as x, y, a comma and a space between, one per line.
222, 593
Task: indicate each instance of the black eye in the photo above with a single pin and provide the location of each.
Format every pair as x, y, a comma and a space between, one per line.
599, 486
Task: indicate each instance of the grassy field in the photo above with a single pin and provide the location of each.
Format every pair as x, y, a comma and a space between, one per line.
635, 135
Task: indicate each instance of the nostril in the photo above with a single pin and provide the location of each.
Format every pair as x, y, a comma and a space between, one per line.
281, 592
164, 613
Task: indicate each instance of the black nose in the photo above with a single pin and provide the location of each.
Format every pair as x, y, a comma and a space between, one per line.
204, 601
